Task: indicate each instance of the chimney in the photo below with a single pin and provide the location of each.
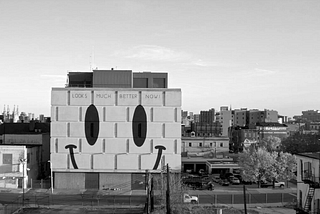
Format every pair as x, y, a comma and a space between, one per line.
32, 125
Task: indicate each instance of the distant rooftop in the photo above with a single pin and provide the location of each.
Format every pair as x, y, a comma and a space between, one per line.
24, 128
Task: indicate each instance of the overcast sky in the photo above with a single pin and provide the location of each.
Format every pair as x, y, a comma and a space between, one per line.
247, 54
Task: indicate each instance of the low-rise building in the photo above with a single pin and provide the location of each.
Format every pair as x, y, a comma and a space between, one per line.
36, 138
200, 153
13, 166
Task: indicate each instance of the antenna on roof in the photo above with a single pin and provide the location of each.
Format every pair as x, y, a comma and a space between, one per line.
92, 59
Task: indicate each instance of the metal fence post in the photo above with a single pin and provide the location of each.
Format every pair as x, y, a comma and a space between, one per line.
266, 198
282, 197
232, 199
216, 200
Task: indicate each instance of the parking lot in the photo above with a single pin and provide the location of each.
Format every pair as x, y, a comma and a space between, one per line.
198, 182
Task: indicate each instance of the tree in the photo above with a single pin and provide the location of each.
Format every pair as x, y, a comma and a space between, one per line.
300, 143
257, 164
285, 166
271, 143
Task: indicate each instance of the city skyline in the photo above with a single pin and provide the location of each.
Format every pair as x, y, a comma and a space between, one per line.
248, 54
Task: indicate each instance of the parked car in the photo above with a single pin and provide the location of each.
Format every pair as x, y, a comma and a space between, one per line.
224, 182
206, 178
226, 175
205, 186
247, 182
190, 199
216, 179
234, 180
270, 184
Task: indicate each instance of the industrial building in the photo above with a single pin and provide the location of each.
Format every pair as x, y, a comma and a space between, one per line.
109, 126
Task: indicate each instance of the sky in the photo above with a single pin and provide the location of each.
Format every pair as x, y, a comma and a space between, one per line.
253, 54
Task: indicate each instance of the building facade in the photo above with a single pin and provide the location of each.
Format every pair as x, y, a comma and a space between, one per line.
13, 166
106, 137
311, 115
308, 188
35, 137
225, 118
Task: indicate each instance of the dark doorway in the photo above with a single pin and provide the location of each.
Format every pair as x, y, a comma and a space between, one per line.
200, 166
92, 180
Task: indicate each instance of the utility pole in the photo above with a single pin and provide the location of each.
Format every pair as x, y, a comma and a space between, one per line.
148, 192
244, 199
151, 195
168, 190
23, 161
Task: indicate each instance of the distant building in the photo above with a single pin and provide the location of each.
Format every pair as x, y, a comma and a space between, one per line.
205, 146
241, 137
239, 117
202, 152
196, 118
10, 117
311, 115
207, 117
36, 138
265, 130
13, 166
225, 118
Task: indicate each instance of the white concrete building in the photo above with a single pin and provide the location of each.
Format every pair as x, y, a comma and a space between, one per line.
103, 137
308, 188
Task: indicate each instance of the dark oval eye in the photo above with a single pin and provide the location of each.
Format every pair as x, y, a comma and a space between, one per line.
91, 124
139, 126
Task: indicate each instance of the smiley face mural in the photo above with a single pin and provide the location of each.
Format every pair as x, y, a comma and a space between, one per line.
115, 130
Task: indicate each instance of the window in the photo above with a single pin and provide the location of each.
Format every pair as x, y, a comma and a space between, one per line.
301, 169
210, 144
200, 144
7, 159
221, 144
140, 82
159, 82
190, 144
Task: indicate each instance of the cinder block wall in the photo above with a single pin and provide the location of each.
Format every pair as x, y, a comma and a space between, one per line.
114, 150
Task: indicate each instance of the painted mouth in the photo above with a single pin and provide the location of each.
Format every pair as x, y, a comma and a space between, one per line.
160, 148
73, 160
75, 166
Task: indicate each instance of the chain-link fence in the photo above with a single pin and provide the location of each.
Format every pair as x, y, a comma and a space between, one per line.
39, 184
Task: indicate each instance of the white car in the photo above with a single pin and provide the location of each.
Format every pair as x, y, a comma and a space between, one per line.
190, 199
279, 184
234, 180
270, 184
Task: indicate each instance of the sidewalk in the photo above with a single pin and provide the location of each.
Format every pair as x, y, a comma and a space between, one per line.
143, 192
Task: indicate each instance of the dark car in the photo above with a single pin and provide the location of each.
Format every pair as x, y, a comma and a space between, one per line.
204, 186
224, 182
226, 175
